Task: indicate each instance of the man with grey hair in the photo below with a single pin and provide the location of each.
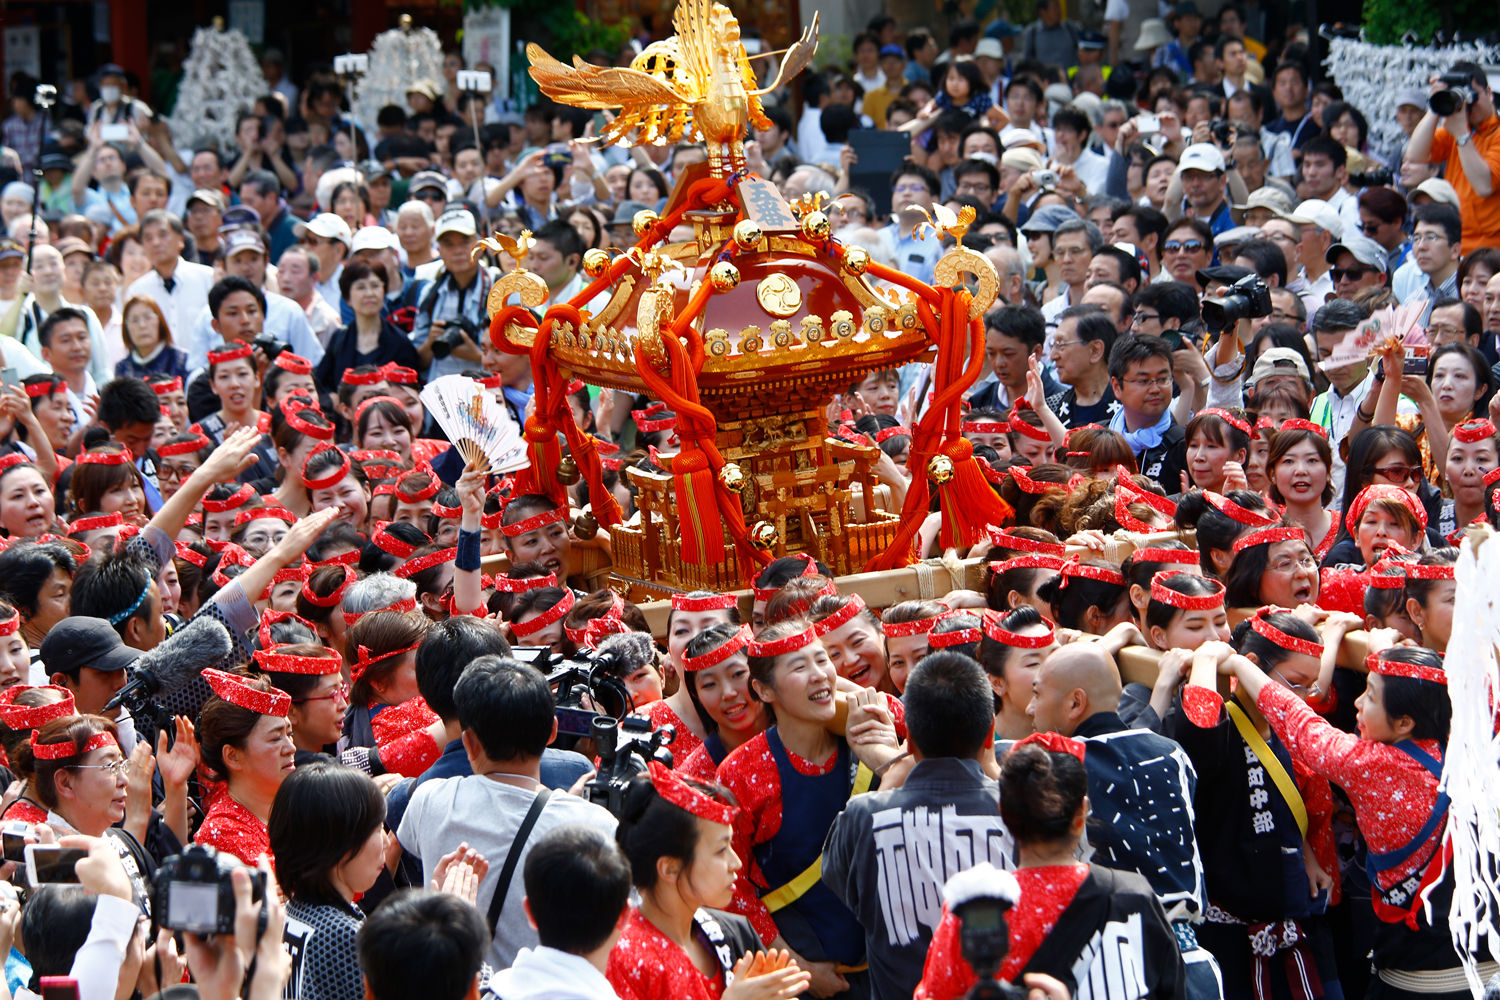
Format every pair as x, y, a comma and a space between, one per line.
1011, 271
179, 287
297, 275
1074, 244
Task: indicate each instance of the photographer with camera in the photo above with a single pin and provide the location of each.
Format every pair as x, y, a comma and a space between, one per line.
452, 315
506, 714
1467, 142
1100, 931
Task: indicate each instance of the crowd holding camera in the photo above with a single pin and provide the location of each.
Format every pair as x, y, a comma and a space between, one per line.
277, 725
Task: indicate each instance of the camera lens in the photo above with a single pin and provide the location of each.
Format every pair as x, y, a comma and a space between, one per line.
1445, 102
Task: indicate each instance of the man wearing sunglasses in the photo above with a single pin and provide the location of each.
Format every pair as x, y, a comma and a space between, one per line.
1358, 262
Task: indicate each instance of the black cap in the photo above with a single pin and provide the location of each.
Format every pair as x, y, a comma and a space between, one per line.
57, 161
1226, 274
111, 69
85, 642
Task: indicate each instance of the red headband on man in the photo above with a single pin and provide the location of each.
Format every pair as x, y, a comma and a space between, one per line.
697, 605
414, 566
1233, 511
26, 717
1298, 424
1164, 594
1055, 742
234, 689
556, 613
406, 606
82, 524
990, 622
234, 501
198, 443
1377, 663
787, 644
1269, 536
843, 616
670, 786
1237, 423
230, 354
66, 749
719, 653
1383, 491
1471, 431
511, 585
534, 522
121, 457
333, 598
1290, 643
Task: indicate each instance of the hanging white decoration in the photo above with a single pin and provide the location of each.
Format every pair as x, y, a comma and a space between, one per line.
399, 58
221, 79
1471, 776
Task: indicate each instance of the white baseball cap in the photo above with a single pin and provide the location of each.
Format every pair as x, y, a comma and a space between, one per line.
1438, 190
1203, 156
374, 238
456, 220
1317, 212
328, 226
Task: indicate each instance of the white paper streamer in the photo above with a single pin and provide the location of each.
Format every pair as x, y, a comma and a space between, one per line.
1471, 774
398, 59
220, 79
1373, 76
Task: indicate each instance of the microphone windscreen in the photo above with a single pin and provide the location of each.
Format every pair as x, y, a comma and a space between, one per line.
202, 642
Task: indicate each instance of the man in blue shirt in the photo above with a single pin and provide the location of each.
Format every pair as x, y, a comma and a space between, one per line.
1202, 171
914, 187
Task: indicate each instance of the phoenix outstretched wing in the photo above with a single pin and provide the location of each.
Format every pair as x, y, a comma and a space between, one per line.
585, 86
797, 57
696, 41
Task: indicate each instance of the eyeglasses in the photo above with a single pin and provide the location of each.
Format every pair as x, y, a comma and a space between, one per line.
1370, 228
1288, 564
1278, 314
1058, 345
1142, 318
1446, 330
908, 188
1396, 473
119, 768
174, 473
1429, 238
1349, 273
1183, 246
1286, 238
342, 691
1313, 690
1161, 381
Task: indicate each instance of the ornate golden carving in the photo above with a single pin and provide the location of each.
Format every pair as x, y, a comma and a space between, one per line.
778, 295
950, 269
529, 289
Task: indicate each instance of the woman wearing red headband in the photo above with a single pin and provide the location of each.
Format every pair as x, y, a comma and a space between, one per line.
54, 418
1429, 594
24, 709
1471, 473
1013, 648
1218, 445
1273, 565
313, 678
177, 458
692, 615
1185, 611
536, 619
106, 481
536, 530
388, 711
246, 743
717, 678
1390, 772
850, 632
791, 781
333, 481
1300, 466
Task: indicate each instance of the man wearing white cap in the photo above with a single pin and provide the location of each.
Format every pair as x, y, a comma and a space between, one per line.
1201, 170
285, 320
1319, 227
328, 237
454, 304
1358, 263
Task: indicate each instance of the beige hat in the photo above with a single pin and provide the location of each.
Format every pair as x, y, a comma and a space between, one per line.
1022, 158
1438, 190
1268, 198
1153, 34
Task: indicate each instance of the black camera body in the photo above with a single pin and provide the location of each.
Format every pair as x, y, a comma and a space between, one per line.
1376, 177
268, 345
1248, 298
1222, 130
453, 334
1457, 93
193, 892
984, 941
627, 746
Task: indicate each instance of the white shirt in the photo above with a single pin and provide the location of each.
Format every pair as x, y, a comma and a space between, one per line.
548, 974
189, 295
81, 417
330, 289
284, 320
810, 138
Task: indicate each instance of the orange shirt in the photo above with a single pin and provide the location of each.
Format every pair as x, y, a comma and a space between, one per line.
1481, 215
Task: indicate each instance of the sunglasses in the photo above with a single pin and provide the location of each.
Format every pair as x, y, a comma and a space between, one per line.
1349, 273
1396, 473
1183, 246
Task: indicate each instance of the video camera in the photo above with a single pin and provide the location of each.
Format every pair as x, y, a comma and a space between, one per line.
193, 892
1248, 298
1458, 93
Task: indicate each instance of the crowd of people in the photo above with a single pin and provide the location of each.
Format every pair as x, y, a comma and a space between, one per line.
243, 590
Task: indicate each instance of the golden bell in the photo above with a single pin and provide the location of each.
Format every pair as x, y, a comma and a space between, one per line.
732, 477
724, 276
763, 535
815, 226
596, 261
856, 260
644, 220
940, 469
748, 234
567, 472
585, 526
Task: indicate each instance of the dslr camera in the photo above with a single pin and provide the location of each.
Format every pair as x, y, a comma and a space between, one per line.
1248, 298
1377, 177
453, 334
193, 892
268, 345
1222, 131
1457, 93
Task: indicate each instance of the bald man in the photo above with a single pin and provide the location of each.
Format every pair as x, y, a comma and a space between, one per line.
1140, 792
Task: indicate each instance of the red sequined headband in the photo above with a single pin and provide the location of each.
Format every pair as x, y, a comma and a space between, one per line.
1164, 594
1055, 742
39, 389
184, 447
66, 749
983, 427
787, 644
719, 653
651, 419
409, 569
334, 475
511, 585
423, 494
268, 510
365, 404
670, 786
905, 630
351, 377
990, 622
1019, 543
1102, 574
1028, 485
1381, 577
534, 522
841, 617
1177, 557
1237, 423
333, 598
882, 436
171, 385
297, 420
1376, 663
273, 618
766, 593
1416, 571
1470, 431
1298, 424
13, 459
294, 363
1235, 512
445, 513
82, 524
697, 605
342, 559
1035, 560
556, 613
1383, 491
104, 458
27, 717
234, 501
405, 606
1026, 429
390, 544
953, 637
398, 374
234, 689
1291, 643
189, 554
290, 663
230, 354
364, 661
1269, 536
